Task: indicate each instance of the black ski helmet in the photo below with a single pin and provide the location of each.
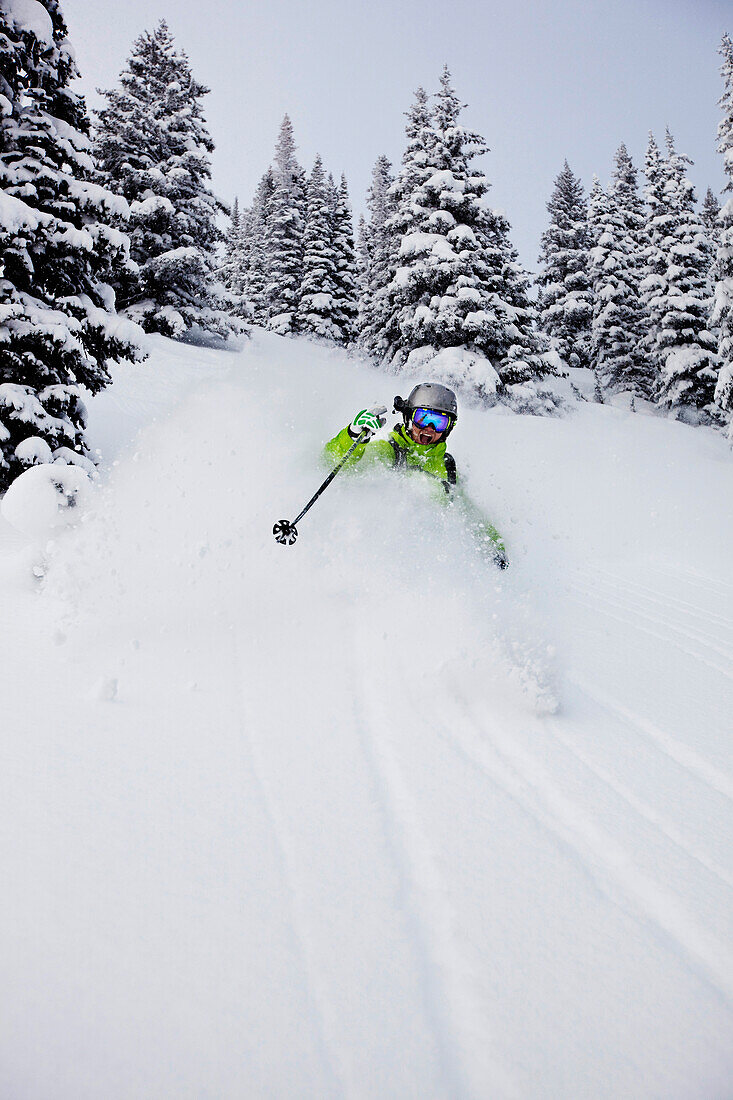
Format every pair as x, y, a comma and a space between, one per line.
428, 395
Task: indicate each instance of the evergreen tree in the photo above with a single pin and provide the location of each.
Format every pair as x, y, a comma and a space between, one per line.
416, 165
255, 246
597, 205
58, 252
362, 259
230, 266
345, 276
709, 215
284, 235
401, 221
442, 244
234, 270
317, 302
617, 221
565, 297
658, 224
523, 348
377, 254
154, 148
678, 304
459, 284
722, 317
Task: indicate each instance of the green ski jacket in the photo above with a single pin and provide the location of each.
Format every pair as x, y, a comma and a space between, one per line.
399, 451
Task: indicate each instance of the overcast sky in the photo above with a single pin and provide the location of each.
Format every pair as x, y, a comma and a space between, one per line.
544, 80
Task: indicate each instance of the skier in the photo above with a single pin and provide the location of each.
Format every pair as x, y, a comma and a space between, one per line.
429, 415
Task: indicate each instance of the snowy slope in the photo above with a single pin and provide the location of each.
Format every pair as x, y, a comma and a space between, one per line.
361, 817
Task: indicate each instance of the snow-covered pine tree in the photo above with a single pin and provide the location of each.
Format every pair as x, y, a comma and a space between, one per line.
58, 252
316, 305
722, 317
415, 165
458, 283
659, 219
362, 254
234, 269
377, 256
255, 246
709, 214
617, 223
710, 217
229, 266
284, 235
154, 148
345, 275
565, 298
402, 220
524, 358
678, 303
597, 204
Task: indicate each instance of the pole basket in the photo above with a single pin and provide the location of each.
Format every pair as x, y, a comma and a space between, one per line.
285, 532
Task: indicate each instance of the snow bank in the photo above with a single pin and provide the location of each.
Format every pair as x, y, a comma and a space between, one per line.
467, 372
46, 497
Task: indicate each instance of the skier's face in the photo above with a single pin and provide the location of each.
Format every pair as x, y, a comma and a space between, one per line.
425, 435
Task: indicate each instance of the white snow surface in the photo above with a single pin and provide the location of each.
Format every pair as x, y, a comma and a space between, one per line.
46, 496
361, 817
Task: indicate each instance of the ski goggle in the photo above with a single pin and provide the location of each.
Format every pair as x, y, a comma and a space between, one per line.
431, 418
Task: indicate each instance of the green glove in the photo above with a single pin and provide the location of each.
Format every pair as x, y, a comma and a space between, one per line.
369, 420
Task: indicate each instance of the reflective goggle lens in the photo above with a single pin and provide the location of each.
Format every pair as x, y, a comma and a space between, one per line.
429, 418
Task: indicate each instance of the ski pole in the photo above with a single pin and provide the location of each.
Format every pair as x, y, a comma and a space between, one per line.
286, 532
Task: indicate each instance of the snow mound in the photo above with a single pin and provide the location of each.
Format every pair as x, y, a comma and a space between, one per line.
468, 372
46, 497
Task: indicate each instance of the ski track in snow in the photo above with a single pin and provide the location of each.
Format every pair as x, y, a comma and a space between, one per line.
681, 754
635, 591
671, 633
670, 637
611, 868
329, 1055
470, 1049
700, 580
661, 821
464, 894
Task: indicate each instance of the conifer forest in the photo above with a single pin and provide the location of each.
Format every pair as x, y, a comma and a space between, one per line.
109, 226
